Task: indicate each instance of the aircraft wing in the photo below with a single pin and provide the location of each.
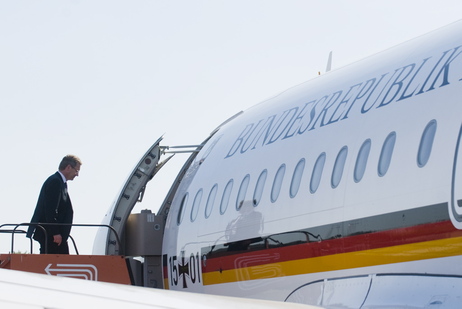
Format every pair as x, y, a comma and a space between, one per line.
26, 290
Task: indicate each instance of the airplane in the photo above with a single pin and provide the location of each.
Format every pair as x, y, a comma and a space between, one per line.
342, 192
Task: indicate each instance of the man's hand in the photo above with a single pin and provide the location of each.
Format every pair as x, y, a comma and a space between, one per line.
58, 239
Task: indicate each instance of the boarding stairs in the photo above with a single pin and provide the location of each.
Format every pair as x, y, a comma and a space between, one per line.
133, 240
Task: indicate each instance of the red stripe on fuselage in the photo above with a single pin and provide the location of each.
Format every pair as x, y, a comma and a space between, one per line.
365, 241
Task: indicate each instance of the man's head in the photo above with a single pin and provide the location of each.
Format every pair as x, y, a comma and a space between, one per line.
70, 166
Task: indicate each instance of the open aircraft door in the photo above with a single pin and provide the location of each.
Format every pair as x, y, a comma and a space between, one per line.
141, 235
131, 193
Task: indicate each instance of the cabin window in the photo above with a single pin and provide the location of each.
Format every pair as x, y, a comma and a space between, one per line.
196, 204
242, 191
386, 154
259, 188
226, 195
182, 209
426, 143
297, 178
317, 172
211, 200
361, 160
277, 183
339, 166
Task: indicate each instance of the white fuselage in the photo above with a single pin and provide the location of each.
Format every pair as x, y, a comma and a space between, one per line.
349, 174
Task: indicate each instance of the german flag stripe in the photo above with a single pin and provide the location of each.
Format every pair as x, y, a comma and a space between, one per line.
424, 241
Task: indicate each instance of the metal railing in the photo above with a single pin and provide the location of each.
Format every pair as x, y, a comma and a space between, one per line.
15, 230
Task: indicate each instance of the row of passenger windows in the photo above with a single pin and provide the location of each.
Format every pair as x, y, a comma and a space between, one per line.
423, 155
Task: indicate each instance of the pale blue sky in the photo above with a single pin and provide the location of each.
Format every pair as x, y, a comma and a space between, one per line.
105, 79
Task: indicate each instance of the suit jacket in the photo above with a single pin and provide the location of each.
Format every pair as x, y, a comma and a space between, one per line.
53, 206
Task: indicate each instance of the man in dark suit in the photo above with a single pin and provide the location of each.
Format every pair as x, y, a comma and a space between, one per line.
54, 206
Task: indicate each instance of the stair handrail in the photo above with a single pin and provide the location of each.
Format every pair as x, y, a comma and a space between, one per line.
41, 224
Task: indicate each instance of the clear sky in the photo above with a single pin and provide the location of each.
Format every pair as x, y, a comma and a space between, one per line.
104, 79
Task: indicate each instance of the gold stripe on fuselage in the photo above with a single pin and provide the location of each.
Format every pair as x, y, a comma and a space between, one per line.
375, 257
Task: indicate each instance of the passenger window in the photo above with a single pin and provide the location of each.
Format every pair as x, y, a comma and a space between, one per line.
277, 184
317, 172
339, 166
361, 160
226, 195
211, 200
386, 154
259, 188
182, 209
242, 191
426, 143
297, 178
196, 204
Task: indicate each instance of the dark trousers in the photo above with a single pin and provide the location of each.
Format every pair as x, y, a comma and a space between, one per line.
53, 248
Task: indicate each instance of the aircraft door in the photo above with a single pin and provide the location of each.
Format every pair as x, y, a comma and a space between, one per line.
455, 204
